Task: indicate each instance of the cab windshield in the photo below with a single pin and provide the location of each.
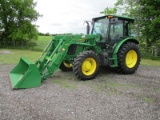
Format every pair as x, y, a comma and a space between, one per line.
100, 26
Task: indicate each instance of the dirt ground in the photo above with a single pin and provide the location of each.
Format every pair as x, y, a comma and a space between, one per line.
110, 96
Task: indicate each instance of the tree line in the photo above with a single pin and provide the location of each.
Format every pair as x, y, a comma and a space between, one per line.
54, 34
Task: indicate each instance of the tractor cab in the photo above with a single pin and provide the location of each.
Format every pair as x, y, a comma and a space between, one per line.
112, 28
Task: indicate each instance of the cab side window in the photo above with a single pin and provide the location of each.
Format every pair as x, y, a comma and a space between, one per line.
116, 31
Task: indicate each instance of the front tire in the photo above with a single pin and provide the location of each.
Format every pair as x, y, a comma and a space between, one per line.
65, 66
86, 65
128, 58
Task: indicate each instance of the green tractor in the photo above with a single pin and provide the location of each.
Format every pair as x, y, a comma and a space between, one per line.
109, 44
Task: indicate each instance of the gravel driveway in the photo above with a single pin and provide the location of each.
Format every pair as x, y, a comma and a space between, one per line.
110, 96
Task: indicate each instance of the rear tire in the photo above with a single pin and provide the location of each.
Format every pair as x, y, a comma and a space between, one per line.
86, 65
128, 58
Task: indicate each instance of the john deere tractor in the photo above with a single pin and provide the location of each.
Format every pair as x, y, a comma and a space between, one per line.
108, 43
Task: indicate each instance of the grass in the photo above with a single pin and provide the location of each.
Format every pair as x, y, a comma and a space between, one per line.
158, 90
149, 100
65, 83
148, 62
42, 42
112, 86
66, 80
14, 55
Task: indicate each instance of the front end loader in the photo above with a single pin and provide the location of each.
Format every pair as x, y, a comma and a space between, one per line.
109, 43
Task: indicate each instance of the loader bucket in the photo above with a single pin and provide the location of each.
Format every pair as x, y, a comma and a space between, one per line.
25, 75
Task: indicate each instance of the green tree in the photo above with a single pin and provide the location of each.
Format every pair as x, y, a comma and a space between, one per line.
150, 13
16, 18
109, 11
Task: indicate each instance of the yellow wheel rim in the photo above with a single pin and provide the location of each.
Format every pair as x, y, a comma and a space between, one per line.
68, 65
131, 59
89, 66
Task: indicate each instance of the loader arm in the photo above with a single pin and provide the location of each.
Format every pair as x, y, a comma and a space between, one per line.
52, 59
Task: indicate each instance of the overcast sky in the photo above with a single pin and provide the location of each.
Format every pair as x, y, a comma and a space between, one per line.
68, 16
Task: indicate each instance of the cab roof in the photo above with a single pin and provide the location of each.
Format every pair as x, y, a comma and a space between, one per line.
116, 16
